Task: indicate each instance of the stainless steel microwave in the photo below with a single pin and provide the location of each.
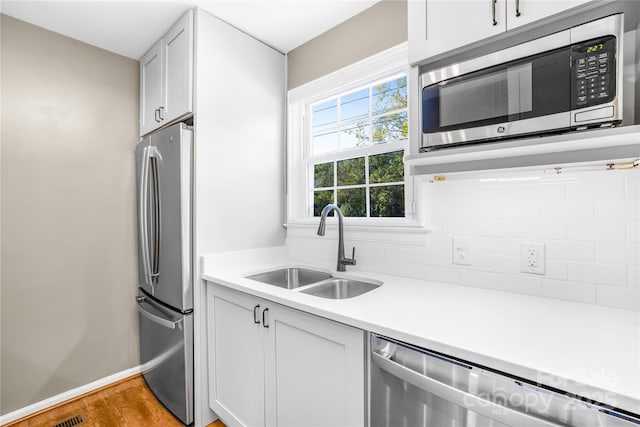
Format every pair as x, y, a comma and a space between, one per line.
569, 80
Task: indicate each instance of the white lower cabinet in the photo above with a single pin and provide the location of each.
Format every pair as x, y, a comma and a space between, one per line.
277, 366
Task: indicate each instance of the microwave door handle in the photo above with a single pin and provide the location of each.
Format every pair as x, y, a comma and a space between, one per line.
144, 214
461, 398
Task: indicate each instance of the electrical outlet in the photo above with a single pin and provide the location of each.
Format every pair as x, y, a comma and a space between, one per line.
461, 251
532, 259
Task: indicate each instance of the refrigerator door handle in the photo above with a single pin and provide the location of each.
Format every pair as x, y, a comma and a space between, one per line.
154, 268
144, 217
171, 324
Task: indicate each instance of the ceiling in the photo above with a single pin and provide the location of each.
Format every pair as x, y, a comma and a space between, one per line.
129, 28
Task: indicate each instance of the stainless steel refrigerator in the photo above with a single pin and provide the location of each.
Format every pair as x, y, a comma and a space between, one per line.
165, 294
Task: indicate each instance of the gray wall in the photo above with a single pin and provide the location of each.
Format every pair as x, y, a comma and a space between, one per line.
68, 265
380, 27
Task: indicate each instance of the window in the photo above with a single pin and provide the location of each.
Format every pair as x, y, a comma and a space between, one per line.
368, 185
347, 141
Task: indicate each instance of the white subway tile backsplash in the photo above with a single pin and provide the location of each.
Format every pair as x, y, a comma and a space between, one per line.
542, 230
427, 256
634, 277
570, 291
556, 269
570, 251
372, 251
606, 274
493, 246
618, 253
496, 263
601, 185
459, 227
632, 185
613, 296
397, 253
597, 231
443, 274
414, 271
588, 222
498, 228
567, 210
480, 279
493, 191
617, 209
633, 231
520, 284
544, 191
378, 266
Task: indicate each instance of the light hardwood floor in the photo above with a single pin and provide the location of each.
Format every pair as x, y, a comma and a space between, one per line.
127, 403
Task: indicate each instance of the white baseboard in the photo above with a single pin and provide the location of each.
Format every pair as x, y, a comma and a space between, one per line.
70, 394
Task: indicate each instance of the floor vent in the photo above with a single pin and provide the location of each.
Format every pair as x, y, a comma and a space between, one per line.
70, 422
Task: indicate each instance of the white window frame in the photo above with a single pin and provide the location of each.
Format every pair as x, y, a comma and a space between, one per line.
380, 67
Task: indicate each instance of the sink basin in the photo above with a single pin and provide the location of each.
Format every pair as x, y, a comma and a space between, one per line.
340, 289
290, 278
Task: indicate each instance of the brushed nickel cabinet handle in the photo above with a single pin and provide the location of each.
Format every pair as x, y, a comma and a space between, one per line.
160, 113
156, 114
518, 8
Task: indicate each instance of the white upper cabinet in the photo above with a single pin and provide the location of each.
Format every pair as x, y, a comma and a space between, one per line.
522, 12
166, 77
150, 88
438, 26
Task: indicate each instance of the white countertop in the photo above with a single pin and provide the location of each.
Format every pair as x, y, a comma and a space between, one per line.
584, 349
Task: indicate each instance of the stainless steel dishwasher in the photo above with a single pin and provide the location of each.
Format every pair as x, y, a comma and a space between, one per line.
413, 386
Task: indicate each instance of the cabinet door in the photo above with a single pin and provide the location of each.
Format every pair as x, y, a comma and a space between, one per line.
438, 26
236, 357
314, 371
522, 12
177, 53
150, 88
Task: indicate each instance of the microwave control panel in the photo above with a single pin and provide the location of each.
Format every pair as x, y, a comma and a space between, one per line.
593, 72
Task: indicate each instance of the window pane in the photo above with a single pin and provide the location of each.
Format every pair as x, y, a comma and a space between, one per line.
389, 96
325, 113
390, 128
320, 200
325, 142
352, 201
386, 167
323, 175
351, 171
387, 201
354, 105
354, 135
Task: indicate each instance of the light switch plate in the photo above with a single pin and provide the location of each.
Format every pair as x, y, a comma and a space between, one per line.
461, 251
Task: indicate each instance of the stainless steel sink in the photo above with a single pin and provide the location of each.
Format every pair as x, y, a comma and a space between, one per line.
290, 278
340, 288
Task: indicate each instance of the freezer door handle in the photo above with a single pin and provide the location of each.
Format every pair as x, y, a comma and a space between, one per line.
171, 324
461, 398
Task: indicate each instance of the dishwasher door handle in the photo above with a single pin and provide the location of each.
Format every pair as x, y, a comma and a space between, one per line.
461, 398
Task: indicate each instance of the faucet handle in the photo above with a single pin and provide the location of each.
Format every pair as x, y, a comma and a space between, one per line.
350, 261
